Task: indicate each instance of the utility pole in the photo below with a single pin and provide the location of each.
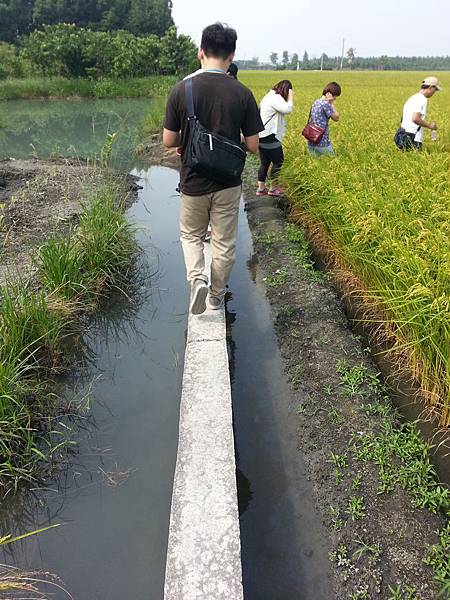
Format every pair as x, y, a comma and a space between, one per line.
321, 63
342, 55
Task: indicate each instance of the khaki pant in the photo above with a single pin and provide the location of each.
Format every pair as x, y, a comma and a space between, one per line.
221, 209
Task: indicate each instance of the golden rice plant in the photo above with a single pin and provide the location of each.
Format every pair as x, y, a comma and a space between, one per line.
385, 214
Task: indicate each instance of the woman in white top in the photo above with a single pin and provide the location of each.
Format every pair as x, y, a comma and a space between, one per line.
274, 106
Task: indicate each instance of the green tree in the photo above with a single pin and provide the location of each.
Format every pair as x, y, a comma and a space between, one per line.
149, 16
70, 51
274, 58
15, 18
351, 55
114, 14
294, 61
305, 60
285, 59
81, 12
12, 64
141, 17
178, 53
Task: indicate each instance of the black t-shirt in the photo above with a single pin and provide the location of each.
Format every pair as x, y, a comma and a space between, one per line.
222, 105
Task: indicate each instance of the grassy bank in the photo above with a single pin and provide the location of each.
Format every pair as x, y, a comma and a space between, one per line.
383, 214
154, 120
58, 87
72, 274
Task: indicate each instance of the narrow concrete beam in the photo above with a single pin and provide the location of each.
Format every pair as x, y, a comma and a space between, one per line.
203, 557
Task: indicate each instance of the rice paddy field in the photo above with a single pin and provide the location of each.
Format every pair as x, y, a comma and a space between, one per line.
384, 215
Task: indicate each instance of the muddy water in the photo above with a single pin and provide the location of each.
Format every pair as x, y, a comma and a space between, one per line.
113, 501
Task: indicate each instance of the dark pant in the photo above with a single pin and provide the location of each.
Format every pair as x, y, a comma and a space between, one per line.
413, 145
405, 140
268, 156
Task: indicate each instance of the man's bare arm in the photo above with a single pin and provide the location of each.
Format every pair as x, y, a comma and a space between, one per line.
252, 143
171, 139
417, 119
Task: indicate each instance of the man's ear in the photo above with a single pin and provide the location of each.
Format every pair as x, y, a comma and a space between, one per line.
231, 57
200, 54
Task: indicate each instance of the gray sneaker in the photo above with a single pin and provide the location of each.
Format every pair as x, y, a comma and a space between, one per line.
215, 302
198, 297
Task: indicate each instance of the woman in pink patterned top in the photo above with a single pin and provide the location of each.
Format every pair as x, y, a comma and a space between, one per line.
322, 111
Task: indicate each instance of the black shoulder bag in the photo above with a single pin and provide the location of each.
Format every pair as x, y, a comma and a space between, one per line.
403, 139
210, 154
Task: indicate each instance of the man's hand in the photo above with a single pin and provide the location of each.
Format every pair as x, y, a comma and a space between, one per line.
417, 119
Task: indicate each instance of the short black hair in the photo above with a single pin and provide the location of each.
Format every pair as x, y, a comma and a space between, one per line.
218, 40
332, 87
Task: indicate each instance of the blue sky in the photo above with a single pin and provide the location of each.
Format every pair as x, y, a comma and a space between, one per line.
393, 27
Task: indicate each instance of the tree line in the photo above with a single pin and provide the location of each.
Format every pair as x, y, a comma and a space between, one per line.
140, 17
349, 61
66, 50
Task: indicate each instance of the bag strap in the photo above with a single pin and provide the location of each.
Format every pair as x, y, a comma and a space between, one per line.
268, 121
189, 98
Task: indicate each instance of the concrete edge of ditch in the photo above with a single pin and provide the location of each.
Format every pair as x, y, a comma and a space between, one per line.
204, 552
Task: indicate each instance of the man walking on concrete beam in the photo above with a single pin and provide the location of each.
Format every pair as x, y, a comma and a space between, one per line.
205, 116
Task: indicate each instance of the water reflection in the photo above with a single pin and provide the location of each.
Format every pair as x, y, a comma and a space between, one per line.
76, 128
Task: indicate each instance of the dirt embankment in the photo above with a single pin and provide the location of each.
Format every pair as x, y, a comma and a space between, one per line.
152, 151
362, 461
39, 198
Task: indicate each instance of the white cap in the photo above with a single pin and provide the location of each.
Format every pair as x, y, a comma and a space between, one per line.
432, 81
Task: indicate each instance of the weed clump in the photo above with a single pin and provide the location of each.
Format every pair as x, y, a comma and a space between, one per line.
73, 274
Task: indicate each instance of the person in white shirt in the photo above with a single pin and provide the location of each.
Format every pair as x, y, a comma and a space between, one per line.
414, 113
274, 107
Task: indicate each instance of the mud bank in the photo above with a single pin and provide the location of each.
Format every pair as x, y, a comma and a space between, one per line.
41, 198
359, 456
